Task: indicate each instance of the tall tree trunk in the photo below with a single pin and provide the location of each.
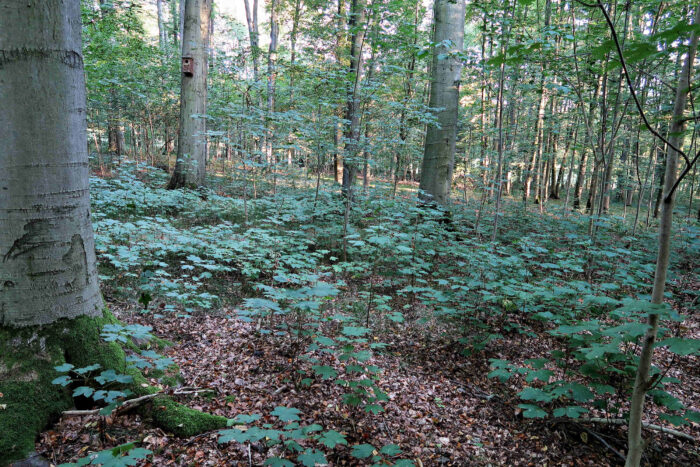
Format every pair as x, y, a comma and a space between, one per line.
571, 166
539, 133
642, 185
338, 128
292, 73
408, 95
190, 168
181, 27
440, 141
161, 26
175, 18
47, 254
499, 122
271, 81
642, 381
252, 20
352, 109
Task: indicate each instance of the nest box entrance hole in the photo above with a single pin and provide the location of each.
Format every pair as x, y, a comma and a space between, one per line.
188, 66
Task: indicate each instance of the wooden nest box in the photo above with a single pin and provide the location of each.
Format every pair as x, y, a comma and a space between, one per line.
188, 66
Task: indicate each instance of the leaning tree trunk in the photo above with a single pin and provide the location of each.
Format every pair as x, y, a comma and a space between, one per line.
642, 382
440, 139
190, 168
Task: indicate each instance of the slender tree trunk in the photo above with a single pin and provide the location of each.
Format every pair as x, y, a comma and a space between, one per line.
252, 21
642, 382
181, 17
292, 72
499, 124
408, 95
642, 186
190, 167
571, 166
338, 128
174, 15
537, 145
161, 26
352, 110
440, 141
271, 81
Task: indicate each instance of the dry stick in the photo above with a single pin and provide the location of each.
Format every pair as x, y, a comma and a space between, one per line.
605, 443
130, 403
648, 426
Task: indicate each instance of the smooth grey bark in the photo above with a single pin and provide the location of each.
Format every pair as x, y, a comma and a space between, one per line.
161, 26
536, 156
338, 128
190, 168
181, 18
252, 21
440, 139
642, 381
271, 81
499, 124
351, 133
47, 253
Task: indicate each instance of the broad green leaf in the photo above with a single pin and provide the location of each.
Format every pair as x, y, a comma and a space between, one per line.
62, 380
681, 346
311, 457
286, 414
390, 450
63, 368
324, 371
332, 438
278, 462
532, 411
534, 394
355, 331
362, 451
571, 411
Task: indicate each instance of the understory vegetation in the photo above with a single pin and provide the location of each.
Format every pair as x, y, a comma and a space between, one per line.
552, 315
349, 232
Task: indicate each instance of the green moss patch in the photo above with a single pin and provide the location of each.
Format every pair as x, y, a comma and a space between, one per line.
30, 401
181, 420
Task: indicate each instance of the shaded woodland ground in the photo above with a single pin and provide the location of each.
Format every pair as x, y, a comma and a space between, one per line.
442, 407
515, 282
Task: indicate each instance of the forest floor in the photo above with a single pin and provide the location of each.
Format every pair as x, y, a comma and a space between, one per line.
442, 408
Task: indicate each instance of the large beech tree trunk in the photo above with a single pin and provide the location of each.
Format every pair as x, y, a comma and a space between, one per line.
190, 168
440, 140
47, 255
50, 304
642, 382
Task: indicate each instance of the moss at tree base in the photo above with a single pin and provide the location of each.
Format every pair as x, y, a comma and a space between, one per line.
30, 401
180, 420
28, 407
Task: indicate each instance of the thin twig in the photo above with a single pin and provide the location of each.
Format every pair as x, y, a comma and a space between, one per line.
605, 443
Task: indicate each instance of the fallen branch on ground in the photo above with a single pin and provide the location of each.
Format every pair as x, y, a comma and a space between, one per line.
648, 426
130, 403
